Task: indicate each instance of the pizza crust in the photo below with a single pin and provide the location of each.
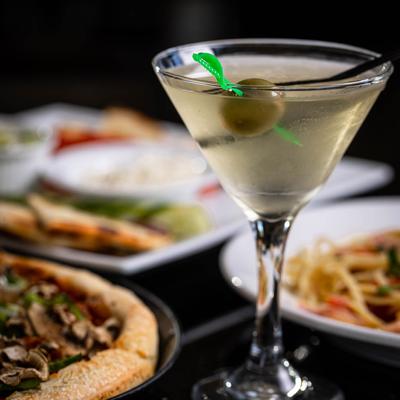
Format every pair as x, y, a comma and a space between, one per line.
133, 356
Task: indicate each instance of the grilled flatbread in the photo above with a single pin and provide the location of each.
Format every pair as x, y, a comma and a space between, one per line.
46, 222
101, 232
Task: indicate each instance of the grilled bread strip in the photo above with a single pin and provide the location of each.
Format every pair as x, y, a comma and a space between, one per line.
82, 230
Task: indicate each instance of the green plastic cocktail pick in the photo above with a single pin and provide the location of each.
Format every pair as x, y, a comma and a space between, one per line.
287, 135
214, 67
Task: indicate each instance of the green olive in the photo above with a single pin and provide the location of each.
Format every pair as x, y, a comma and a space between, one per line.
253, 114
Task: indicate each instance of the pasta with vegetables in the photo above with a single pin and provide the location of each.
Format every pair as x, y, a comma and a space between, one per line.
357, 282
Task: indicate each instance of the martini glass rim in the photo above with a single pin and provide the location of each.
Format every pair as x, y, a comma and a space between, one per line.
382, 74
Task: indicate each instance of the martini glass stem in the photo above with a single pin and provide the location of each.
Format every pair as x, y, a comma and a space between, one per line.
267, 348
267, 375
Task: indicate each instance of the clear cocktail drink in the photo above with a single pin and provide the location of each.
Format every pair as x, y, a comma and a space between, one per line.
263, 172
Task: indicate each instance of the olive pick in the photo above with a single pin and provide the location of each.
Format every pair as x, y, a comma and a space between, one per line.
214, 67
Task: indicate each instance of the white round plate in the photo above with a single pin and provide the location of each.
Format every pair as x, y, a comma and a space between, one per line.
238, 264
76, 168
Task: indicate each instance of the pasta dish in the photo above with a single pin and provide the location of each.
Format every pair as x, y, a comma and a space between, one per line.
357, 282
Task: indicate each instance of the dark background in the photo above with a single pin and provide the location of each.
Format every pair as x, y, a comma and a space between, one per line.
98, 53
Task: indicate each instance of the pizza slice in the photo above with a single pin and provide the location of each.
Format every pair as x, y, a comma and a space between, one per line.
69, 334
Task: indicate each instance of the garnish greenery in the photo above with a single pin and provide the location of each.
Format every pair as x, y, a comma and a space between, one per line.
394, 263
385, 290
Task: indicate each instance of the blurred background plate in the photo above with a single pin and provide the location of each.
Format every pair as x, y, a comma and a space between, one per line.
138, 170
336, 222
351, 176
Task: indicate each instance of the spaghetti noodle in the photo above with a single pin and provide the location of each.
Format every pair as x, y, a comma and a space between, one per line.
358, 282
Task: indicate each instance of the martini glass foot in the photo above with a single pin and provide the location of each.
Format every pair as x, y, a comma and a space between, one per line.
218, 387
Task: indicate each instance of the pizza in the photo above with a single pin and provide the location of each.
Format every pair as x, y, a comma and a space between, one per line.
44, 221
69, 334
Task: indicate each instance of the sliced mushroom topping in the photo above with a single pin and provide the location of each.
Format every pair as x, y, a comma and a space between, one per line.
89, 343
63, 314
12, 377
50, 346
7, 365
80, 330
113, 325
6, 342
106, 333
102, 336
15, 353
47, 290
22, 364
50, 330
39, 320
85, 331
20, 323
37, 359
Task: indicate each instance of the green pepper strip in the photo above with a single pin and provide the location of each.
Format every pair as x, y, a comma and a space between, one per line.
23, 385
31, 297
55, 366
63, 298
15, 280
60, 298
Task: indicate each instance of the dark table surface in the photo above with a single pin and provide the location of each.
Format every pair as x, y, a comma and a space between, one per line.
98, 54
217, 325
217, 322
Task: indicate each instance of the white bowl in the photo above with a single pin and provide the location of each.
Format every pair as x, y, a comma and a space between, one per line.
98, 169
20, 163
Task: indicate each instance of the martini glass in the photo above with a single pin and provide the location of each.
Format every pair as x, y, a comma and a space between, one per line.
272, 149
